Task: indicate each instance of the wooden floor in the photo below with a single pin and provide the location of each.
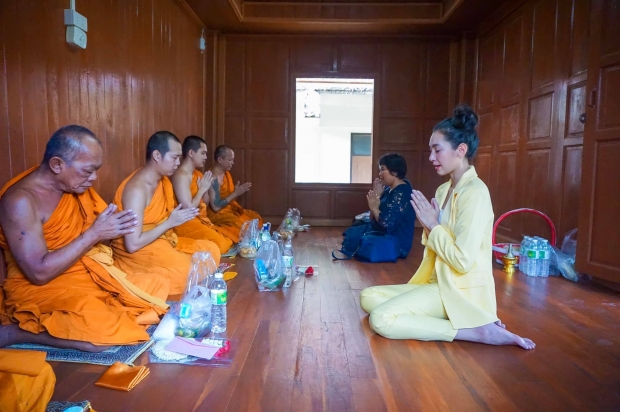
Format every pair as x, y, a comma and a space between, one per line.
310, 349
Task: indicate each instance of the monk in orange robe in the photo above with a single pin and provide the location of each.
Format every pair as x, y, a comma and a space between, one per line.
26, 381
191, 189
224, 211
154, 245
62, 288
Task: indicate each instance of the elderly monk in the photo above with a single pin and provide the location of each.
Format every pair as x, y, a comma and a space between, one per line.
224, 211
191, 189
62, 288
148, 192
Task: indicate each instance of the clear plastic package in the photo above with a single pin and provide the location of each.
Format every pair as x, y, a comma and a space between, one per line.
248, 239
268, 270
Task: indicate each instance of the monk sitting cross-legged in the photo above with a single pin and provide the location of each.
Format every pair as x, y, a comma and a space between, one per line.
224, 211
191, 189
62, 288
148, 192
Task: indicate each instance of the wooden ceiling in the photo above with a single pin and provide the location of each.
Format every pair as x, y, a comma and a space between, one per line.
343, 16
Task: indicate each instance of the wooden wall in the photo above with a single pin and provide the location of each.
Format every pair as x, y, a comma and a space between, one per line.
530, 92
142, 71
416, 82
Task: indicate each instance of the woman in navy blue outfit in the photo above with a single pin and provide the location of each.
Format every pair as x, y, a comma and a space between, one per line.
388, 201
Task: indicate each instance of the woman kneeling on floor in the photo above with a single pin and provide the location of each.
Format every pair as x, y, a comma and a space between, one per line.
452, 294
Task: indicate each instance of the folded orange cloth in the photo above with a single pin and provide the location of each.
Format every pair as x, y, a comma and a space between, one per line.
122, 377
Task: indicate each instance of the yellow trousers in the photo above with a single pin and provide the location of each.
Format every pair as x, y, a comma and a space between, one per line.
407, 312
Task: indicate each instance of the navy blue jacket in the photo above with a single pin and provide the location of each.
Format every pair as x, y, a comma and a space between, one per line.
397, 217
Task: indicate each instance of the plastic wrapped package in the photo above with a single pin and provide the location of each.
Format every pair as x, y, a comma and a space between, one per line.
569, 244
563, 260
290, 223
222, 359
268, 269
248, 239
194, 311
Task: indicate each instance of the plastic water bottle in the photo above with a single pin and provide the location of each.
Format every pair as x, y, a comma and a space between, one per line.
545, 255
219, 294
523, 254
288, 260
532, 258
264, 233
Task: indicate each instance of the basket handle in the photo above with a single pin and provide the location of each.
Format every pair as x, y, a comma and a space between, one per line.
527, 210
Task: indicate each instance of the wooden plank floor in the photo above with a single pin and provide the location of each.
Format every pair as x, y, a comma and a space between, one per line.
310, 349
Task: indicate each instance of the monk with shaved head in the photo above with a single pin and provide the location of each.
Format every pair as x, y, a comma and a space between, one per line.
62, 288
154, 245
224, 210
191, 189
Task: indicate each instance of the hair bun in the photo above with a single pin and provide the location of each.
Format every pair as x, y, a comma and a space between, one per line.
464, 118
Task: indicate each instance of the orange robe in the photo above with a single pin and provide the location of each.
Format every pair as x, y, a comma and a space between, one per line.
231, 217
92, 301
26, 381
170, 255
201, 227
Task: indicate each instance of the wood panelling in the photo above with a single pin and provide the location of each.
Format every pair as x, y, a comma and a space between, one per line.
541, 109
575, 107
415, 86
544, 43
267, 86
571, 185
580, 13
125, 86
401, 70
358, 56
604, 227
509, 124
599, 237
530, 95
314, 203
398, 131
269, 177
269, 132
349, 202
487, 71
312, 55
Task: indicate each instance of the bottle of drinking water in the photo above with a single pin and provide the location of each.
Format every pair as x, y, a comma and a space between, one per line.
523, 254
288, 259
545, 255
218, 303
532, 258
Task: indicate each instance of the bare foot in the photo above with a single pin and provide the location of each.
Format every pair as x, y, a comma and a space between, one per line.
492, 334
500, 324
12, 334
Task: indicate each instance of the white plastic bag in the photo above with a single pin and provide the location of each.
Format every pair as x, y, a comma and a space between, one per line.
248, 239
268, 269
194, 312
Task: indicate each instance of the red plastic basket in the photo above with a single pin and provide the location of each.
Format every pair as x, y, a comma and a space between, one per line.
517, 246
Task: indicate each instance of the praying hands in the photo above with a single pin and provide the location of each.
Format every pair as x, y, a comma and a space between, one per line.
427, 213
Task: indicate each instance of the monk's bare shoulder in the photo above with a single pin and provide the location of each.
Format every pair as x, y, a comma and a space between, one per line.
134, 185
17, 201
180, 177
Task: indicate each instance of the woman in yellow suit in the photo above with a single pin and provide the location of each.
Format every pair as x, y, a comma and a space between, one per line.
452, 294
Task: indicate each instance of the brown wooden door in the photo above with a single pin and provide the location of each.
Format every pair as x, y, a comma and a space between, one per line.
598, 251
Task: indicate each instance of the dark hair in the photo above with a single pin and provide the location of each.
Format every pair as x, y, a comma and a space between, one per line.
192, 143
220, 151
395, 164
460, 128
160, 142
66, 143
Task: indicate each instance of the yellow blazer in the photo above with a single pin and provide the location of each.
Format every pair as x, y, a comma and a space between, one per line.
460, 251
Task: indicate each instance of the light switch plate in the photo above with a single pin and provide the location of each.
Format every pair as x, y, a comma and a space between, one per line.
76, 37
